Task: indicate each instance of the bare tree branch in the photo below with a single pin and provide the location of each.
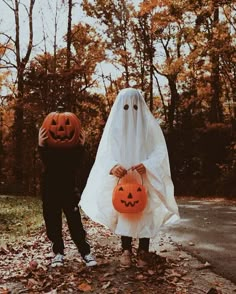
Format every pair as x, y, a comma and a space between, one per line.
7, 36
8, 5
30, 44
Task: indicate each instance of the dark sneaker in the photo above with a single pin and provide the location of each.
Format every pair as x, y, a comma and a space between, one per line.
89, 260
125, 259
58, 260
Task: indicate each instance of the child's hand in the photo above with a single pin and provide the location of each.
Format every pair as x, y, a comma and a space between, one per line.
42, 137
118, 171
82, 137
140, 168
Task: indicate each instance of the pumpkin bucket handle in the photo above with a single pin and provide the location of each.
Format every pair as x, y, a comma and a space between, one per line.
129, 169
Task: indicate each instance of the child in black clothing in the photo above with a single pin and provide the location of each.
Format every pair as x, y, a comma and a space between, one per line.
58, 195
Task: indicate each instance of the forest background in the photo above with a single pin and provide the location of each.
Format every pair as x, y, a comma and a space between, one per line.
180, 54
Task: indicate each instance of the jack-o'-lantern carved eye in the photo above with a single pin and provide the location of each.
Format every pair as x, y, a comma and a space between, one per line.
121, 189
139, 189
126, 106
63, 129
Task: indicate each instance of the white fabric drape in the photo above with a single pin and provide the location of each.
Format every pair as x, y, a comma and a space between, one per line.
131, 136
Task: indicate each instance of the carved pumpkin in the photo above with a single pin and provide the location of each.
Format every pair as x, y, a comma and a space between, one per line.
129, 197
63, 129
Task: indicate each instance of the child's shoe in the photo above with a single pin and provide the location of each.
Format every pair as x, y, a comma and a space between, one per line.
125, 259
89, 260
58, 260
142, 259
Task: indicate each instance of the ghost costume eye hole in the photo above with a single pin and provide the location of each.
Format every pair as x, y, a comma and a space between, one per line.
135, 107
126, 107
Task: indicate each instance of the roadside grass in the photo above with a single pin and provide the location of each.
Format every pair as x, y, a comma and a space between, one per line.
19, 217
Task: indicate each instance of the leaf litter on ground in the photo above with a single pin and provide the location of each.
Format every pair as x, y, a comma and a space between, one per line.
25, 267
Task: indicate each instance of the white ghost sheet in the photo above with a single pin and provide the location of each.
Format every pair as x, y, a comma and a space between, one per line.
131, 136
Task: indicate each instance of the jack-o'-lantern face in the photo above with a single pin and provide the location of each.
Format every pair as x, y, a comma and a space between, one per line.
63, 129
129, 197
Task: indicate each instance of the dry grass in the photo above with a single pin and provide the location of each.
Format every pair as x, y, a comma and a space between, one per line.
19, 216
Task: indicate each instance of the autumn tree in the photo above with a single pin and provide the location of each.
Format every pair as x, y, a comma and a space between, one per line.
19, 65
227, 54
143, 43
5, 117
211, 49
192, 36
209, 27
115, 20
47, 87
166, 24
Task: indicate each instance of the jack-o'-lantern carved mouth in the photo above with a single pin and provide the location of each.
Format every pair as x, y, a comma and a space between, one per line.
129, 203
62, 137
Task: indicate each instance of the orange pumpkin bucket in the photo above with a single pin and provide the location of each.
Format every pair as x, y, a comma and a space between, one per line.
129, 197
63, 129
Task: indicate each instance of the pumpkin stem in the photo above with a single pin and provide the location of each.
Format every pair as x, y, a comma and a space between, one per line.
60, 108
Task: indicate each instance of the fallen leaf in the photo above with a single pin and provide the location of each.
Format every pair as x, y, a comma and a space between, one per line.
140, 277
85, 287
33, 264
151, 272
105, 286
31, 283
4, 290
203, 266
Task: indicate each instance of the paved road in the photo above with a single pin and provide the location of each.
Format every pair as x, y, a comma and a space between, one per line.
208, 230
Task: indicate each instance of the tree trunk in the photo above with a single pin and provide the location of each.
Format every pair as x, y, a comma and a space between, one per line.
151, 54
174, 100
1, 144
18, 119
68, 58
162, 98
216, 114
18, 126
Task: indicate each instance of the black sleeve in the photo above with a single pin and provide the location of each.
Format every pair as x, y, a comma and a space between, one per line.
44, 154
83, 171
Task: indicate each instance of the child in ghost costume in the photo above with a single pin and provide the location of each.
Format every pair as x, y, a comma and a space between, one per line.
132, 139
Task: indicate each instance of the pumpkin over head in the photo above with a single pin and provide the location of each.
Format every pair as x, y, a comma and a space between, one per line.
129, 197
63, 129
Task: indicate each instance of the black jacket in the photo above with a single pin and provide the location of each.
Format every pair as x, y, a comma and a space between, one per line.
64, 169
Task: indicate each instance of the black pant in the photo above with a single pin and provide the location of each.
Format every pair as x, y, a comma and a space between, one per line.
52, 212
126, 243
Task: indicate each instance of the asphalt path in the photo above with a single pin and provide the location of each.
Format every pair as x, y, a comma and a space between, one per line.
207, 230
